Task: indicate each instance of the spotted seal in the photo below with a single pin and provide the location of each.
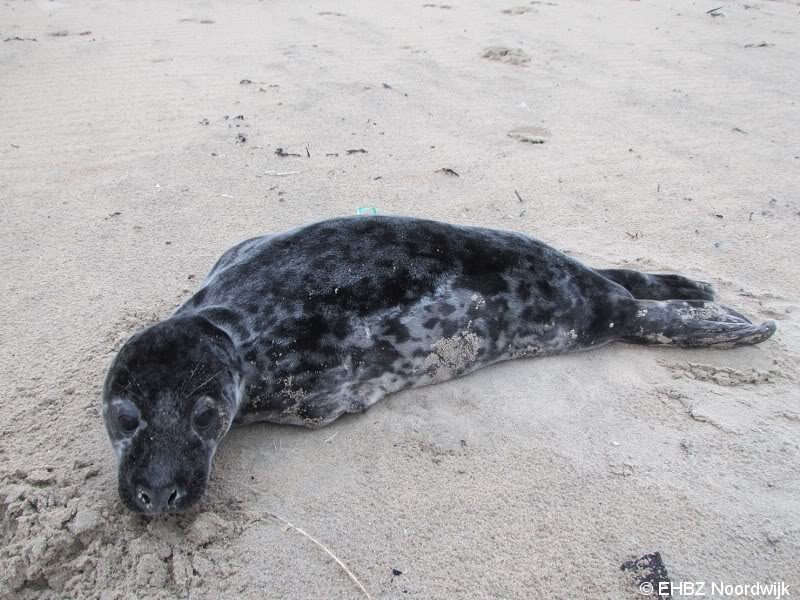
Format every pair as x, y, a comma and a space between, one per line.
303, 326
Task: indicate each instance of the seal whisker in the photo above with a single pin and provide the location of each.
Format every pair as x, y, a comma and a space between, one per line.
134, 379
205, 382
188, 380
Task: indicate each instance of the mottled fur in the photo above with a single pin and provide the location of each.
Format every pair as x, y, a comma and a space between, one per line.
303, 326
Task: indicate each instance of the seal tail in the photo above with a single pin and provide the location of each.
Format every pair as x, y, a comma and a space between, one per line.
694, 324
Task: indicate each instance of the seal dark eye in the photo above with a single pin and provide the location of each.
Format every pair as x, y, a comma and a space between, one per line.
203, 418
128, 423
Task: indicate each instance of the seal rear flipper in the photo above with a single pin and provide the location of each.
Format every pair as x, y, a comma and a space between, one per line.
694, 324
655, 286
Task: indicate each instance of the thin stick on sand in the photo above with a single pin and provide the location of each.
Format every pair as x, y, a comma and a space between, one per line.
350, 574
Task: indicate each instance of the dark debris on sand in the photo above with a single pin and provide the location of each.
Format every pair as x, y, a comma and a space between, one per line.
650, 573
281, 152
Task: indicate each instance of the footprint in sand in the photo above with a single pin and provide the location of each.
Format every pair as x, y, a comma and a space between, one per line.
723, 376
530, 135
518, 10
511, 56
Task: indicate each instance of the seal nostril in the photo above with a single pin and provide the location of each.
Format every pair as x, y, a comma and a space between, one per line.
145, 499
173, 498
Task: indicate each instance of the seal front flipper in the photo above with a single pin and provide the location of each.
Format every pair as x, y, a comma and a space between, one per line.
693, 324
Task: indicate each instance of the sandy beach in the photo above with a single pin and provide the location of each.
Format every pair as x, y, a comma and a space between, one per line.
140, 140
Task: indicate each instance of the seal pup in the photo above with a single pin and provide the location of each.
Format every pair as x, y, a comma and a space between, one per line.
303, 326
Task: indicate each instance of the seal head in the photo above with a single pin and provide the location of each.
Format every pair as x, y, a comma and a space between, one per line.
169, 397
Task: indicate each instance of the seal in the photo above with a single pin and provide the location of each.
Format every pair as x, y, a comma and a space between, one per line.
303, 326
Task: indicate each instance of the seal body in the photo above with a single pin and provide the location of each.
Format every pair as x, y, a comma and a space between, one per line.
303, 326
331, 317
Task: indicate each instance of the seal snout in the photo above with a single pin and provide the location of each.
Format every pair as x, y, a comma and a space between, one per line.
158, 485
158, 500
